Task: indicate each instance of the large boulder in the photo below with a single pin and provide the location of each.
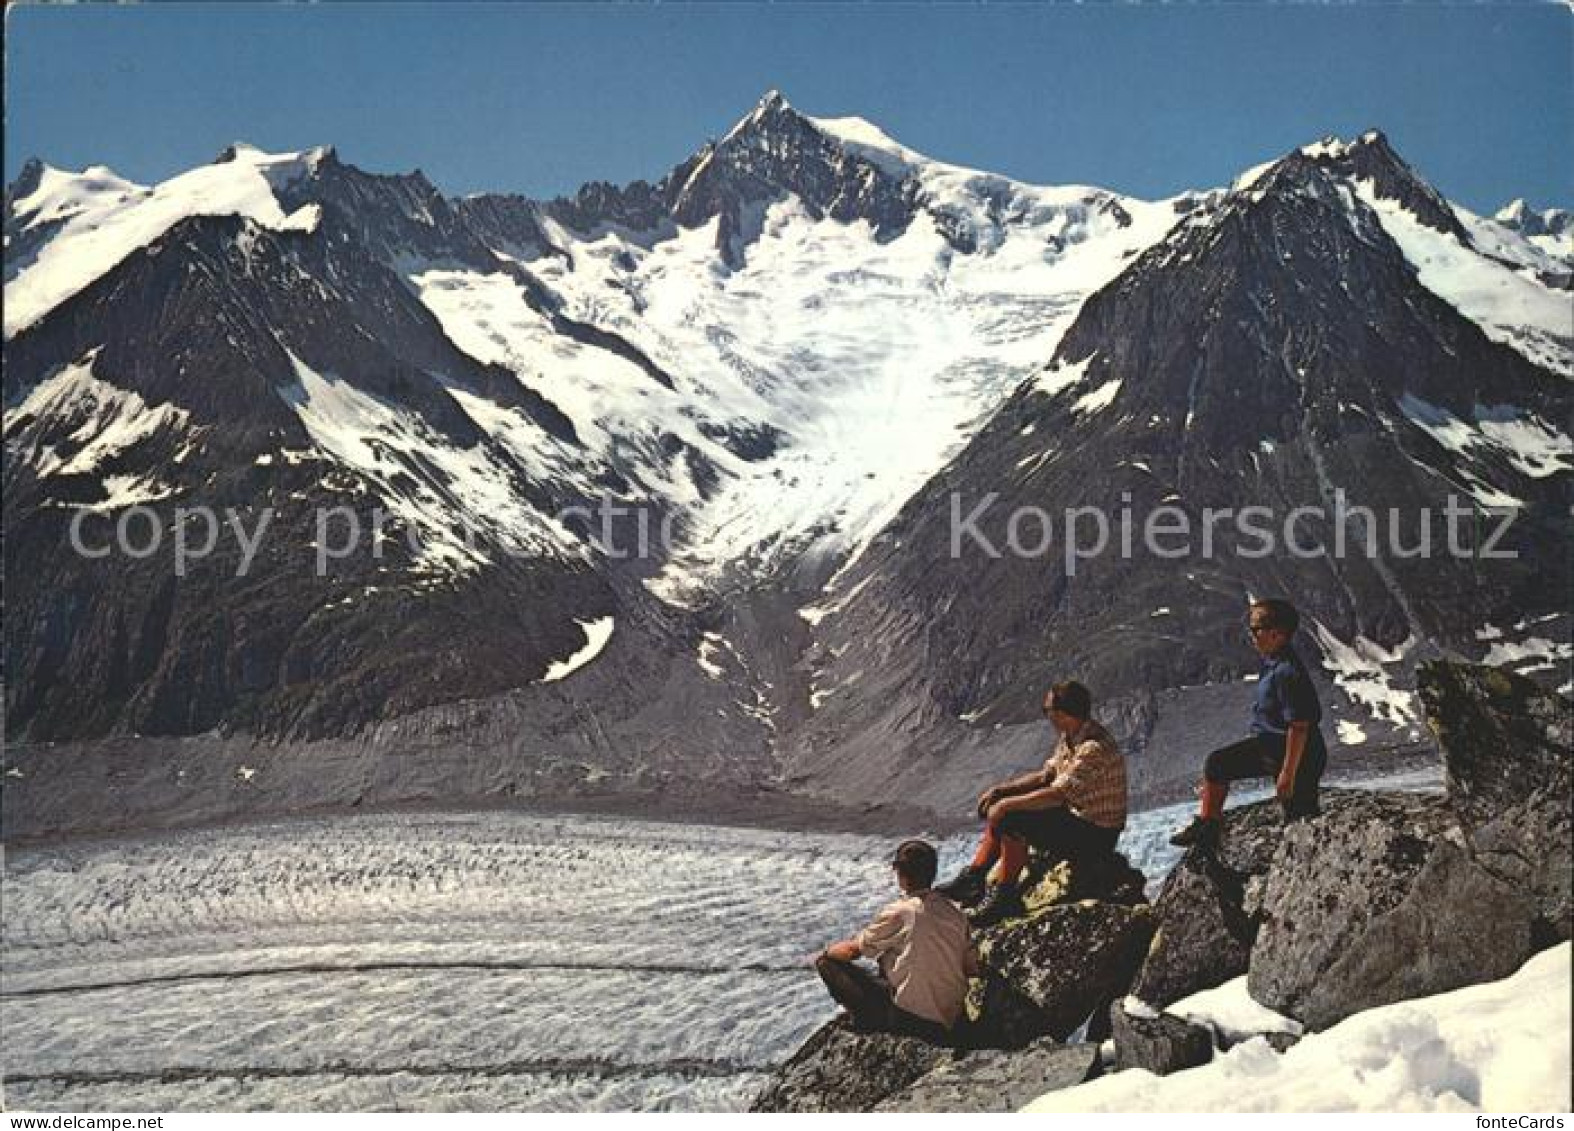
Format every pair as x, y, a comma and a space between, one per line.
1207, 907
1049, 974
1204, 935
1251, 834
1159, 1043
1049, 881
839, 1069
1507, 748
992, 1080
1376, 902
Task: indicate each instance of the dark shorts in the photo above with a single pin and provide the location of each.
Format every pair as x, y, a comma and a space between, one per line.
1059, 832
1262, 756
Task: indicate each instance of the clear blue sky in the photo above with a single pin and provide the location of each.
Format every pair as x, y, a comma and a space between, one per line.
539, 99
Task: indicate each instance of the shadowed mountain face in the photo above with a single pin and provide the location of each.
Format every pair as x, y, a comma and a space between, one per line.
804, 355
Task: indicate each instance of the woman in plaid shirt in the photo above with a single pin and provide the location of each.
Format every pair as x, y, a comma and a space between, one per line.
1074, 806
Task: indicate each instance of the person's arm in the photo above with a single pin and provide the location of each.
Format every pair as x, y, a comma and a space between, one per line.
1295, 738
1301, 712
1026, 783
1048, 797
879, 936
1051, 791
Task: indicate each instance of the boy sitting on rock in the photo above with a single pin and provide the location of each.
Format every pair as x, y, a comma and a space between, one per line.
1285, 744
1075, 806
920, 943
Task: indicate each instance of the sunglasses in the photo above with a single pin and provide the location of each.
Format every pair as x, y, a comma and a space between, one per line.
1255, 629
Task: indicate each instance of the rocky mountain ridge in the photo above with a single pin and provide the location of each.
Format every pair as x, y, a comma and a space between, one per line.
789, 350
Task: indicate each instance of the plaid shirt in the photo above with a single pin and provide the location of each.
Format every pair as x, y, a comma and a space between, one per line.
1089, 768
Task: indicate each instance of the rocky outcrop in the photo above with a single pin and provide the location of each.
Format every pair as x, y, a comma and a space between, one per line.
839, 1069
1383, 897
1158, 1043
1204, 935
1506, 746
1206, 910
1107, 877
1376, 903
994, 1080
1050, 974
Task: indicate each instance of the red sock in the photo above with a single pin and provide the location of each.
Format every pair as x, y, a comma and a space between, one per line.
988, 848
1013, 855
1213, 795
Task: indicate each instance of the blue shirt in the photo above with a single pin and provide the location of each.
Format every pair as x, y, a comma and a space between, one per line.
1285, 695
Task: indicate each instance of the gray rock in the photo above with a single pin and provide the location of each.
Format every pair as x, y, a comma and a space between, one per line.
1281, 1042
1506, 759
1208, 907
1204, 936
1251, 836
838, 1069
1108, 877
1049, 974
1376, 903
996, 1080
1252, 832
1159, 1045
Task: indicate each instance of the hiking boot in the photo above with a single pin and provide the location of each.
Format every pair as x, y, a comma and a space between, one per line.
1001, 902
1202, 832
966, 887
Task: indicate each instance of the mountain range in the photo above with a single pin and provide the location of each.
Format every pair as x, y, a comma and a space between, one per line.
795, 354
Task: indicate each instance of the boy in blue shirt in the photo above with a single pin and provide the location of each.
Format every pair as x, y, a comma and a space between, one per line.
1285, 743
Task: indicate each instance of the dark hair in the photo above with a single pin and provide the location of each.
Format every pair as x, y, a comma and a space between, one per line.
1072, 698
1281, 614
916, 862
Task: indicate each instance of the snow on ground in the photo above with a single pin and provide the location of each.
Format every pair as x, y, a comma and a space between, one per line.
597, 633
104, 219
1232, 1013
426, 480
870, 362
1543, 654
1534, 447
1500, 237
1368, 674
1350, 733
105, 420
1502, 1046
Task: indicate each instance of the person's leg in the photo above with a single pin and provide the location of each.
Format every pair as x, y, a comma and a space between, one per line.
1244, 759
1061, 834
988, 848
1250, 758
1003, 898
866, 998
967, 885
1013, 857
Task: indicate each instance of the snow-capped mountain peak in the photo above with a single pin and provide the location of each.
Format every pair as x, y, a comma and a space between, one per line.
1551, 229
1509, 275
780, 345
84, 224
772, 106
